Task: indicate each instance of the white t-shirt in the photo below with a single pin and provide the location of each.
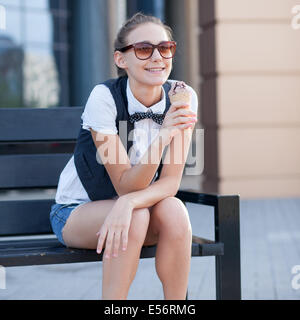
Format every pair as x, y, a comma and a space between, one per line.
100, 114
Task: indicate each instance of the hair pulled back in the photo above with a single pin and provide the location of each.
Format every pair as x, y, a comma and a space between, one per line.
131, 24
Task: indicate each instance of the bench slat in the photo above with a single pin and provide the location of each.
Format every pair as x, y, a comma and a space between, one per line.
45, 124
51, 251
31, 170
25, 217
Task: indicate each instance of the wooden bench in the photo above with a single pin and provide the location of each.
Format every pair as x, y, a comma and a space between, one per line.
35, 145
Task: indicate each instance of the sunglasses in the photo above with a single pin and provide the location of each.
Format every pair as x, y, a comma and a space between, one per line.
144, 50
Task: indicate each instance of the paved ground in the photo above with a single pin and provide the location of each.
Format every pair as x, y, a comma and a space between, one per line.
270, 247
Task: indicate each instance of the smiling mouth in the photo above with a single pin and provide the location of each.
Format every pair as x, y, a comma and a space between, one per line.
155, 70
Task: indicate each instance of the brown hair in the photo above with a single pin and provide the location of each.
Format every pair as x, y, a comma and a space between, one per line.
132, 23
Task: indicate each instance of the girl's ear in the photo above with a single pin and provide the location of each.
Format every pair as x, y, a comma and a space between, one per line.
119, 60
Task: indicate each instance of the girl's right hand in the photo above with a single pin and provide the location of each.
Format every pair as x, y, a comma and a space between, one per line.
115, 228
178, 117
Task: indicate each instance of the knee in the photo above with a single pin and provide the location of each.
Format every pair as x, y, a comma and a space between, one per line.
139, 224
174, 218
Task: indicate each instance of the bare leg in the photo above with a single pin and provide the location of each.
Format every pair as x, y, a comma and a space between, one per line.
118, 272
172, 263
170, 223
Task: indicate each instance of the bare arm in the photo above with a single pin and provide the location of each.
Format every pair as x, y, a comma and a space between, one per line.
171, 175
125, 177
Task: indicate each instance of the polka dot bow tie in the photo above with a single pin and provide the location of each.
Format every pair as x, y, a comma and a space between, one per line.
157, 117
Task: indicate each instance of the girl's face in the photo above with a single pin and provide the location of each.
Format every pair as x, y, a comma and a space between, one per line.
153, 71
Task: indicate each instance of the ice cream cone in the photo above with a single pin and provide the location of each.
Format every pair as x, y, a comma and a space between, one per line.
179, 92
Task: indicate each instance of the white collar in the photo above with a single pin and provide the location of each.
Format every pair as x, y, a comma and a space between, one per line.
135, 106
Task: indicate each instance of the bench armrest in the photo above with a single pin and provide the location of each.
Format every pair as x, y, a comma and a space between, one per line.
227, 231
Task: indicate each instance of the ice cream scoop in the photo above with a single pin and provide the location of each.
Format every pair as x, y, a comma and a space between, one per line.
179, 92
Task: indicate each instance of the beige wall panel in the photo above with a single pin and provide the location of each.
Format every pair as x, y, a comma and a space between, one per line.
226, 10
259, 152
254, 9
257, 48
250, 97
257, 100
262, 188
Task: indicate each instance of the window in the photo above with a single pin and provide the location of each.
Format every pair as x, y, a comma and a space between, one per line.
34, 54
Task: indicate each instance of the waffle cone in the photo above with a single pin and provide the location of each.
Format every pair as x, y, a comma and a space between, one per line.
181, 96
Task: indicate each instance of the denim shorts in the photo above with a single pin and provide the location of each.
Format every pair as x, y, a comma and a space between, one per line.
58, 217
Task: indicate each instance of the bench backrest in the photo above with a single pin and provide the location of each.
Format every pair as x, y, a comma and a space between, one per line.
35, 145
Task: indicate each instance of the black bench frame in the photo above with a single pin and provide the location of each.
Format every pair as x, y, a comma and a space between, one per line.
36, 144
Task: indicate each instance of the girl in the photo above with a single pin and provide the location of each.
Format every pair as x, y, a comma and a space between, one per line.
140, 209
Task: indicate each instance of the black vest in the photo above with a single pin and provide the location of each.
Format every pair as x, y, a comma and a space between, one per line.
91, 172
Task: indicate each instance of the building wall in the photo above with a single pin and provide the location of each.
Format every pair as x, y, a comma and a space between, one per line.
250, 97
